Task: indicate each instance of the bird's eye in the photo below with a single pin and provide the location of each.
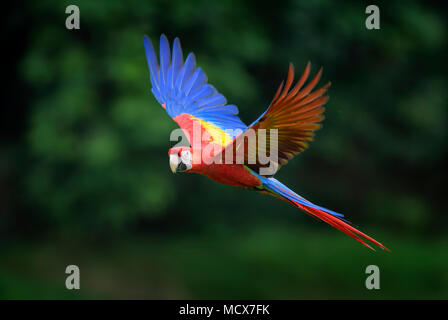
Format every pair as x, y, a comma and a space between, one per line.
186, 157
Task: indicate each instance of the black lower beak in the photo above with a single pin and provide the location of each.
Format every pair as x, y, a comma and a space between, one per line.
181, 167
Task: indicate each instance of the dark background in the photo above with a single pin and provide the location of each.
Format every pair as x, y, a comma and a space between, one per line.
84, 175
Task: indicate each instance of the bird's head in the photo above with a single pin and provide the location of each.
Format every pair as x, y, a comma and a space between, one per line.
181, 159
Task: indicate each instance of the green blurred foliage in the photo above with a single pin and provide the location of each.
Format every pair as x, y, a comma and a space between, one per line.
84, 172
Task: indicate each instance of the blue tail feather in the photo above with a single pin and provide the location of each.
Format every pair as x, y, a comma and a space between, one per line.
280, 188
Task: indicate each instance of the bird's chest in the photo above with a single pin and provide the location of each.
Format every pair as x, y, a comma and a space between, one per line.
231, 174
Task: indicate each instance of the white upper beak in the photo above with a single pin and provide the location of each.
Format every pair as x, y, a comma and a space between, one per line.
174, 162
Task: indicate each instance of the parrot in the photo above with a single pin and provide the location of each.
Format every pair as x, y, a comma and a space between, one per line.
295, 113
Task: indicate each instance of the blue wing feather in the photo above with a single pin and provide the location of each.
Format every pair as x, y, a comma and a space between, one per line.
177, 61
183, 88
165, 58
187, 71
202, 93
153, 65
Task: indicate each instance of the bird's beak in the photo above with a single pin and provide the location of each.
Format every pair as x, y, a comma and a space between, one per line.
174, 162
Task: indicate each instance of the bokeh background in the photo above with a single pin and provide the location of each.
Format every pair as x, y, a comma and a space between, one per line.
84, 175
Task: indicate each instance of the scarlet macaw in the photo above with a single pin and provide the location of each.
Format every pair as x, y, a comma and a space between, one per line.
182, 90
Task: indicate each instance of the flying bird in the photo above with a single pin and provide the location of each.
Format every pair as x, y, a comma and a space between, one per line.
199, 109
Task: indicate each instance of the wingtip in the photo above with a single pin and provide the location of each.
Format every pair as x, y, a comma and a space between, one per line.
192, 57
308, 65
306, 72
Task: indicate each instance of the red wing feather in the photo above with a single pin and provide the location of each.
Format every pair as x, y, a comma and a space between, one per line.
295, 113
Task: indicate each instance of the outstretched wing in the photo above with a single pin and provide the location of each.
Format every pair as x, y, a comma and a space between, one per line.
182, 90
295, 114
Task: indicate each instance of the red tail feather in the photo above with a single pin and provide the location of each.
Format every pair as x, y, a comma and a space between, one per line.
340, 225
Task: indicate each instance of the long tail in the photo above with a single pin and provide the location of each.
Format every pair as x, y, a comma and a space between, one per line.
276, 188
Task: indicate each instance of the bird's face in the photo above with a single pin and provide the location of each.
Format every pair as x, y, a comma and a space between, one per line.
181, 159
